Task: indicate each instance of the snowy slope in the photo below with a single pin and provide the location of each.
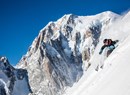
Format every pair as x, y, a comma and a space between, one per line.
114, 78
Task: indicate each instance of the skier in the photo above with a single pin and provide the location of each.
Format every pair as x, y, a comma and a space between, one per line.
108, 43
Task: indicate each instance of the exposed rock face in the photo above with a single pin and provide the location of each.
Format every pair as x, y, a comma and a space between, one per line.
54, 60
11, 78
2, 88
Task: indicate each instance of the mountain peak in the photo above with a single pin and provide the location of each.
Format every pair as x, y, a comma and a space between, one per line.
109, 13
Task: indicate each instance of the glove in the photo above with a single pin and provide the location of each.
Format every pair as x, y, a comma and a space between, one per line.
117, 41
100, 52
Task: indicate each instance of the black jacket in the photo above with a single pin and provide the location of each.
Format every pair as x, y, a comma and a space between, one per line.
110, 43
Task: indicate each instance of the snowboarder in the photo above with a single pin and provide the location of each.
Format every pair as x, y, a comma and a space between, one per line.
108, 43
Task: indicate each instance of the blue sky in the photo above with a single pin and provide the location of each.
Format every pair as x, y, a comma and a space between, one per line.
21, 20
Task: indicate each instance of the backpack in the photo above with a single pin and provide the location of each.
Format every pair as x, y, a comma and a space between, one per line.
109, 41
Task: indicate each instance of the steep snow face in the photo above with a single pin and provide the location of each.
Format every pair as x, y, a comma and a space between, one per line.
12, 81
113, 78
55, 59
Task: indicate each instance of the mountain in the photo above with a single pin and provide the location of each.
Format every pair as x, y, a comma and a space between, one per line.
64, 59
63, 50
12, 81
